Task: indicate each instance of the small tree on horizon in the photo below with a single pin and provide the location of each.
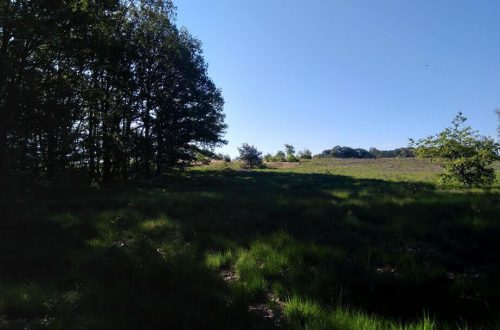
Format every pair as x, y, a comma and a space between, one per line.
305, 154
467, 155
251, 157
268, 157
290, 153
279, 157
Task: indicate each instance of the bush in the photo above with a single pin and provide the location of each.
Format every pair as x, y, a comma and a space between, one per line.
202, 158
250, 156
467, 156
305, 154
290, 153
268, 158
279, 157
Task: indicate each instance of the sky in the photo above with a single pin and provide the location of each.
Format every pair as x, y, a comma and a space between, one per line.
320, 73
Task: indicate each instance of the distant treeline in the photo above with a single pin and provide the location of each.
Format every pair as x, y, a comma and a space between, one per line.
111, 88
348, 152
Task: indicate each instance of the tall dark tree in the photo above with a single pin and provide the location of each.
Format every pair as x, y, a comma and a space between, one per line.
110, 87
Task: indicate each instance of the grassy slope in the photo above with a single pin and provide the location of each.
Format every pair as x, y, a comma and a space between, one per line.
324, 244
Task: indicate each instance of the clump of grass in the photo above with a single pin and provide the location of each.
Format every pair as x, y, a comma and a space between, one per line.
261, 258
250, 289
151, 225
264, 261
306, 314
279, 263
25, 299
219, 260
158, 229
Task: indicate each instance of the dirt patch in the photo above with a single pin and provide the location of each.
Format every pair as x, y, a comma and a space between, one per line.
229, 276
271, 309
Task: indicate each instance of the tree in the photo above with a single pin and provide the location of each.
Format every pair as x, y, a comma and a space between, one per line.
280, 156
290, 153
467, 156
348, 152
251, 157
305, 154
113, 88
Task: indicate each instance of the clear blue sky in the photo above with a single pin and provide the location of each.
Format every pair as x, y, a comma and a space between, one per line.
320, 73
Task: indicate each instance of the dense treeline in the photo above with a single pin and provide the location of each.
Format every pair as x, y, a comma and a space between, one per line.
348, 152
112, 87
288, 155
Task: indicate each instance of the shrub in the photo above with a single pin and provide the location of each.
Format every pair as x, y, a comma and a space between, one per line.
202, 158
250, 156
467, 155
268, 157
279, 157
305, 154
290, 153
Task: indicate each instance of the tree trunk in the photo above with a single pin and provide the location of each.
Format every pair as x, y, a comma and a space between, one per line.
148, 146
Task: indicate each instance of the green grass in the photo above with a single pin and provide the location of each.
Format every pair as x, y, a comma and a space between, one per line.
323, 244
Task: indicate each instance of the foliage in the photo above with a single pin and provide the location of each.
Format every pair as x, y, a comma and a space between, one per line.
348, 152
201, 158
113, 88
395, 153
345, 152
280, 156
467, 155
305, 154
251, 157
224, 157
290, 153
289, 156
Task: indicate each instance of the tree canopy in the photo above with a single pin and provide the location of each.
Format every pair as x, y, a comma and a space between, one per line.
251, 157
113, 88
348, 152
467, 155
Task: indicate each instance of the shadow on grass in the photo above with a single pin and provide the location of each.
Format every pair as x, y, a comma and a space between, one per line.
150, 256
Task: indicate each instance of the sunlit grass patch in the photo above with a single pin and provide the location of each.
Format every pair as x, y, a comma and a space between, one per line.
250, 289
341, 194
306, 314
219, 260
159, 229
150, 225
263, 259
277, 263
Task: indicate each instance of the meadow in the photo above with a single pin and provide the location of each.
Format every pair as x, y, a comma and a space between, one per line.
320, 244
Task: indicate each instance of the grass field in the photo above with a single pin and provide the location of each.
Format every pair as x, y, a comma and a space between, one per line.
322, 244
